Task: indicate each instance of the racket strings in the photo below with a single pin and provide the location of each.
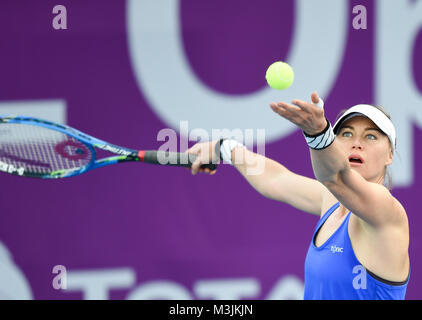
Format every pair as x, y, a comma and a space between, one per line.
41, 150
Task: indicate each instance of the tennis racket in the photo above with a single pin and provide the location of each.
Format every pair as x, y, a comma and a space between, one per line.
36, 148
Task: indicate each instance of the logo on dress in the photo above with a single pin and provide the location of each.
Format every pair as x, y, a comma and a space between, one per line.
335, 249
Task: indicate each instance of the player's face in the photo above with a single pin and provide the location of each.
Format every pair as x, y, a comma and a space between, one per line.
360, 136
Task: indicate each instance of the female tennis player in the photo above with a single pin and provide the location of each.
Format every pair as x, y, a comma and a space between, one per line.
359, 249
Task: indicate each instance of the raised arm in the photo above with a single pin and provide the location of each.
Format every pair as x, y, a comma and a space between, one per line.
370, 201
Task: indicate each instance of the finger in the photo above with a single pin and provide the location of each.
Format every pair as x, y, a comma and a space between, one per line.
196, 165
194, 149
315, 97
289, 113
316, 100
303, 105
288, 106
290, 109
286, 111
279, 110
273, 106
213, 172
320, 103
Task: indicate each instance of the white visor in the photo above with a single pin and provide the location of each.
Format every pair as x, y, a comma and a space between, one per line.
377, 117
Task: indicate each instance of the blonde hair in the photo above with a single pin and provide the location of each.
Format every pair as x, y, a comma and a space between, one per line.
388, 180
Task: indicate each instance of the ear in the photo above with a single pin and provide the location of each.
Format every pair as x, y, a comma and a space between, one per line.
390, 158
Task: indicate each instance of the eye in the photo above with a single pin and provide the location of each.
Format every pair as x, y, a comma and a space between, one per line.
346, 132
373, 137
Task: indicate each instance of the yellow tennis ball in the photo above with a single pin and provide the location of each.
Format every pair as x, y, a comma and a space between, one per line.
279, 75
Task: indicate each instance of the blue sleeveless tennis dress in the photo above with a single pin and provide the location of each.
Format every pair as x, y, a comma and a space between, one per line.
332, 271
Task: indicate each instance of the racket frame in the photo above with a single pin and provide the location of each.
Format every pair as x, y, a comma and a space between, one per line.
123, 154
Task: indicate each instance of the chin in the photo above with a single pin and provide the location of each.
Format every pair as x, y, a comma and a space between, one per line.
357, 169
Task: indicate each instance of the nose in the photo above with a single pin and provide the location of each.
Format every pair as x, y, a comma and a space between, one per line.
357, 144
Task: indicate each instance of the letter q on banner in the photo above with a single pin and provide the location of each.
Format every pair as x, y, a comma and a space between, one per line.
154, 31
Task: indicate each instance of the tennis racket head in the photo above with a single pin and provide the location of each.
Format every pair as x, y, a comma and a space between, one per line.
38, 148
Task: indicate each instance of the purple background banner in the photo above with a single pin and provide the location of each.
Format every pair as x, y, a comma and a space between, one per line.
146, 232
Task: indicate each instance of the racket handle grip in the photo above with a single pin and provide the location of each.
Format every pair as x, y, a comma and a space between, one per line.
168, 158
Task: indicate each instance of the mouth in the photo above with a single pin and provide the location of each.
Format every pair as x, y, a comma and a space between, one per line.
355, 160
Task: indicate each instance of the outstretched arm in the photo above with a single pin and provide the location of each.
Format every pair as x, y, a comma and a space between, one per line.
272, 180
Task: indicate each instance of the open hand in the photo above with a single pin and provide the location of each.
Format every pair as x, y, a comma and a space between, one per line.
307, 116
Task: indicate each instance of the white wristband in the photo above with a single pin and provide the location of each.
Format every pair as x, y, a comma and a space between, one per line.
322, 140
226, 149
